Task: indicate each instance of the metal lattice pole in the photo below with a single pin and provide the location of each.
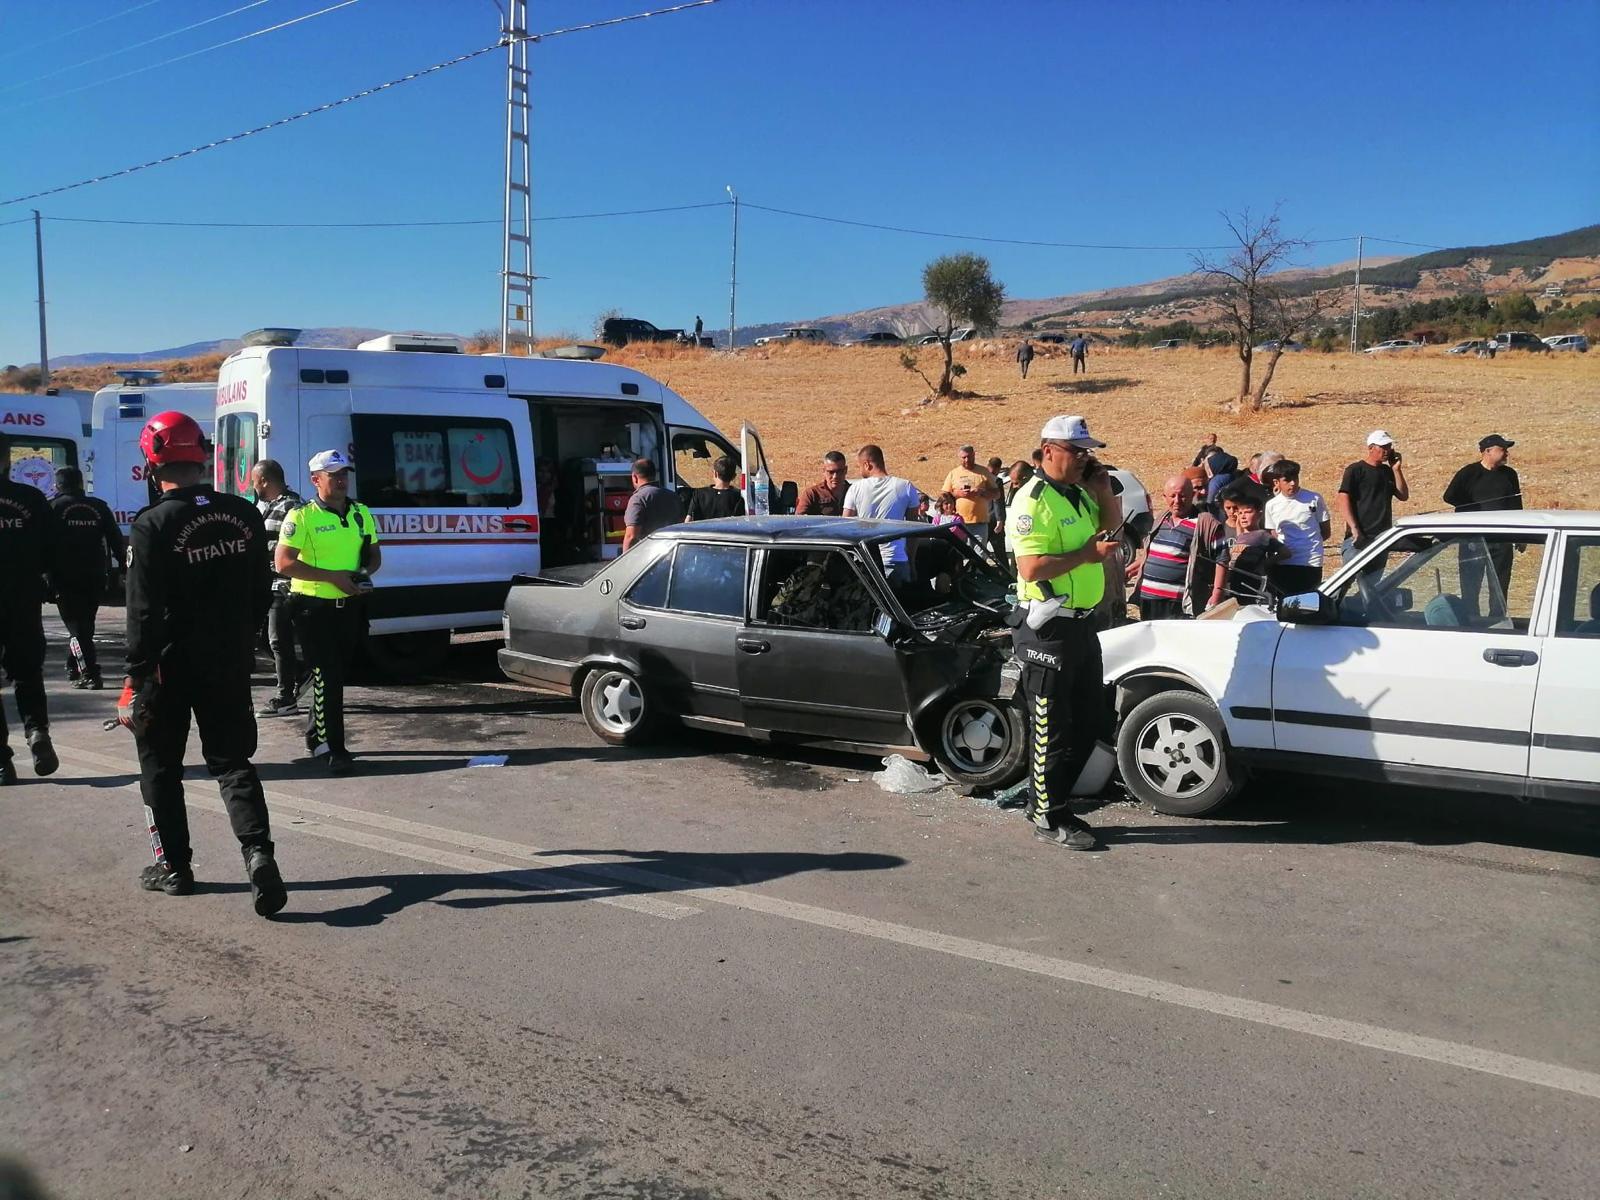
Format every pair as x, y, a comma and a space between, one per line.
516, 264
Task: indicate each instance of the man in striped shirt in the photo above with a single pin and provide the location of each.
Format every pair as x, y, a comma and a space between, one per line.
1182, 570
276, 501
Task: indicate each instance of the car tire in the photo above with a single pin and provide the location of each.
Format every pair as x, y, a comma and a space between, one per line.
616, 706
979, 742
1173, 754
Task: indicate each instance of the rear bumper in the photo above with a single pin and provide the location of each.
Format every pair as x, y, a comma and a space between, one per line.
547, 674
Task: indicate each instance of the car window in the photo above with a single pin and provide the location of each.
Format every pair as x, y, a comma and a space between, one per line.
814, 589
707, 579
1465, 581
650, 589
1578, 609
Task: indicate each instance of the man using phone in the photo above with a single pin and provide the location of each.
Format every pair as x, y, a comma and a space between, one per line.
1367, 494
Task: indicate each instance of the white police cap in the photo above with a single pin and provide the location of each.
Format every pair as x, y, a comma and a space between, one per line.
1073, 430
331, 460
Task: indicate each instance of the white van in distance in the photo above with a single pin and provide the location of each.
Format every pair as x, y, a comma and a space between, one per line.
477, 468
114, 464
38, 435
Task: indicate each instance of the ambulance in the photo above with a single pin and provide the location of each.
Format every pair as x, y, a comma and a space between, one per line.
38, 435
477, 468
114, 466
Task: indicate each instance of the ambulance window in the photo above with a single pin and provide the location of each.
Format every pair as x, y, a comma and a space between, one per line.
436, 462
236, 452
693, 452
34, 461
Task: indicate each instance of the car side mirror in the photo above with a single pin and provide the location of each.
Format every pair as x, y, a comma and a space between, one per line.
1308, 608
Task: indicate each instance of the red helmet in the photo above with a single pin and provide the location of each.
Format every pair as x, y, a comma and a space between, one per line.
173, 437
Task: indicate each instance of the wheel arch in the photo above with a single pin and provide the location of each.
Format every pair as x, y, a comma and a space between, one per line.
595, 662
1138, 686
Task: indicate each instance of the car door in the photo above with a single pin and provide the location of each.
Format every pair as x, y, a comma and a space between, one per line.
812, 660
678, 621
1565, 759
1431, 663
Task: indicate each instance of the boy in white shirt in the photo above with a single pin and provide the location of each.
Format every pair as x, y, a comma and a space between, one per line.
1300, 519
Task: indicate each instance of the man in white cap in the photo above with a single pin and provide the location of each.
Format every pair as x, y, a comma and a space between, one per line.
328, 549
1053, 527
1367, 494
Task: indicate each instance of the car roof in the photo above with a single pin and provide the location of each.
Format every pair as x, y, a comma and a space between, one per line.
1531, 518
793, 529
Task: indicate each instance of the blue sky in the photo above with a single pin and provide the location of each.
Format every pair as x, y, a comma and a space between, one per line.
1059, 121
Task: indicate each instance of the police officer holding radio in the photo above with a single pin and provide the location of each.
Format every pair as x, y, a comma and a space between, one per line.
1054, 530
197, 591
328, 549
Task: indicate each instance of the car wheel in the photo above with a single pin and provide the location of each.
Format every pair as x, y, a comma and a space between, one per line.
616, 707
980, 742
1173, 754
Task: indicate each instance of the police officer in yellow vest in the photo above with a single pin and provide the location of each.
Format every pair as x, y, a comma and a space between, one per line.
328, 549
1053, 528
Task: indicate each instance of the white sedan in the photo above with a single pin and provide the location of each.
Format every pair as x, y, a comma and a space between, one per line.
1459, 650
1394, 345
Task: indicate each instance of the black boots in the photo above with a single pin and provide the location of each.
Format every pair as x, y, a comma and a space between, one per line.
266, 885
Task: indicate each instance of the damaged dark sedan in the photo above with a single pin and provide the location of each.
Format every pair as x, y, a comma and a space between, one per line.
865, 634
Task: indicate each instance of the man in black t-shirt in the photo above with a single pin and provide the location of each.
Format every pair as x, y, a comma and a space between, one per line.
721, 499
1487, 485
1367, 494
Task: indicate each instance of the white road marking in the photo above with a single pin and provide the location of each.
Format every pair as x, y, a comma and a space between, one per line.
1355, 1033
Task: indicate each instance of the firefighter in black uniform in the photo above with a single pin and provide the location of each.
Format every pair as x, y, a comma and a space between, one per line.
27, 546
198, 587
89, 542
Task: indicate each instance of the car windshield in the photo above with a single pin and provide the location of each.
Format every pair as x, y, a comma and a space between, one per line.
938, 569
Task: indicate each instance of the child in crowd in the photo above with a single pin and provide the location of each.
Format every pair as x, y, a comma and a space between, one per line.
947, 514
1251, 548
1301, 521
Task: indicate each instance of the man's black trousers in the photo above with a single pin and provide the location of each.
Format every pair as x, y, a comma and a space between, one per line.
1067, 713
78, 602
22, 654
218, 696
280, 639
328, 632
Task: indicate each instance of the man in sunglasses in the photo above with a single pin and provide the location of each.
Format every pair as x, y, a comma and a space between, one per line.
1054, 529
826, 498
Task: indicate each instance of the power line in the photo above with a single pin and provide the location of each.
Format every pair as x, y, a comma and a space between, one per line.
1399, 242
179, 58
332, 104
627, 212
121, 50
56, 37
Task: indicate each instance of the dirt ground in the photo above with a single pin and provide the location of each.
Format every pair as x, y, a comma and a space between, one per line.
1154, 407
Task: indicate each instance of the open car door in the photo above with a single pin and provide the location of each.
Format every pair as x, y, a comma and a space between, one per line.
760, 497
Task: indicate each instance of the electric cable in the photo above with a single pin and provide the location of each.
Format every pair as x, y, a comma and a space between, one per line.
56, 37
627, 212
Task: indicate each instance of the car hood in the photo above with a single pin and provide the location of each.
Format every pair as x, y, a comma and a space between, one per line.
1203, 649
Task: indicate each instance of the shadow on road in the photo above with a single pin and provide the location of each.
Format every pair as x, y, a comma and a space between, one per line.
644, 872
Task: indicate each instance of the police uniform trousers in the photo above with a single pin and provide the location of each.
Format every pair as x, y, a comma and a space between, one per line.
328, 632
1063, 688
78, 601
217, 693
22, 656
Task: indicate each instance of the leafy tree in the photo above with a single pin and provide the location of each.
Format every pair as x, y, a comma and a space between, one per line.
1517, 308
961, 288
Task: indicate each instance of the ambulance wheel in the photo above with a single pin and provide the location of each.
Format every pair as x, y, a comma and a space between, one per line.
616, 707
980, 742
398, 656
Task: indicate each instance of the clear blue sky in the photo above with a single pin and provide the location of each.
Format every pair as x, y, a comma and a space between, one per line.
1129, 123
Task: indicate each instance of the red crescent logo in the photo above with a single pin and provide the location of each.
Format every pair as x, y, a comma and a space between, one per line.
483, 480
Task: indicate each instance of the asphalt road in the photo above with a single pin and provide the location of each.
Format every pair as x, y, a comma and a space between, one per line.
721, 969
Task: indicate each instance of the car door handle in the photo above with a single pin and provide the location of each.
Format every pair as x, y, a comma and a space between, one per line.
631, 622
753, 645
1510, 658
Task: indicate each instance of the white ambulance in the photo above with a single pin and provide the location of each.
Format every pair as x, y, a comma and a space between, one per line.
38, 435
114, 464
477, 468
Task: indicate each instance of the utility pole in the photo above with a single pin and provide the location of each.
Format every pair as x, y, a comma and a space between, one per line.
733, 272
516, 259
1355, 313
38, 256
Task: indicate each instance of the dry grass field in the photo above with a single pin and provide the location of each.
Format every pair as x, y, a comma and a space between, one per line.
1153, 408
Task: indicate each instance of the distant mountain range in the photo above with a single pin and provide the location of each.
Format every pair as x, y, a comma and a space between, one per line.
332, 337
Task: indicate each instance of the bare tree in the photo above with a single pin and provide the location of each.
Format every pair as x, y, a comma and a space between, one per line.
1255, 305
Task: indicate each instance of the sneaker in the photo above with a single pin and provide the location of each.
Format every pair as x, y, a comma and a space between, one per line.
95, 683
279, 706
266, 885
164, 877
340, 763
8, 774
45, 761
1070, 836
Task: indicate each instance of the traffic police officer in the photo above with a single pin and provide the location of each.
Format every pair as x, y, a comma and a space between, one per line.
27, 546
198, 587
89, 541
328, 548
1054, 527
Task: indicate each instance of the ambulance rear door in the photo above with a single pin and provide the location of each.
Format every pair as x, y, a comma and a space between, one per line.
38, 436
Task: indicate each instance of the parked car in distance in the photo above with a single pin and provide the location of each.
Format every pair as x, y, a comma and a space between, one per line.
1393, 346
799, 333
1171, 344
1458, 651
965, 334
785, 627
880, 338
1519, 341
1568, 341
1050, 339
619, 331
1288, 347
1469, 346
928, 339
